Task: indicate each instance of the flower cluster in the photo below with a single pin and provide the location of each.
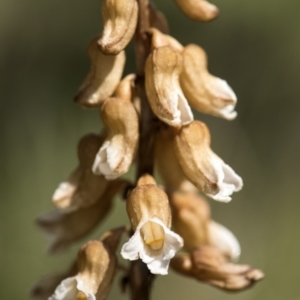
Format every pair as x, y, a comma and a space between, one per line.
166, 218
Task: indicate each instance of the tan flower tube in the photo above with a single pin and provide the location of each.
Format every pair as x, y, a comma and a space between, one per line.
205, 92
82, 188
104, 76
167, 164
121, 121
120, 20
202, 166
191, 215
164, 93
198, 10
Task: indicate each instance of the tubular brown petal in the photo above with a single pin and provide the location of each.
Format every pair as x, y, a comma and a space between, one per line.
164, 93
120, 118
167, 163
146, 201
202, 166
82, 188
97, 266
64, 229
198, 10
191, 215
158, 39
158, 19
207, 264
205, 92
120, 20
103, 77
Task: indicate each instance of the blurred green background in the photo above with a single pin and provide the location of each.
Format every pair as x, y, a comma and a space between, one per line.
254, 45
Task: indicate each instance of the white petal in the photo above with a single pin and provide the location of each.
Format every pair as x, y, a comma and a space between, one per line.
159, 266
64, 190
106, 160
222, 89
228, 180
132, 248
67, 290
158, 260
224, 239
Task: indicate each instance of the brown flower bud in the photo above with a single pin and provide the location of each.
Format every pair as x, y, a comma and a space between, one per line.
158, 19
121, 121
159, 39
191, 215
167, 163
205, 92
198, 10
45, 287
209, 265
120, 20
150, 216
82, 188
165, 96
64, 229
202, 166
103, 78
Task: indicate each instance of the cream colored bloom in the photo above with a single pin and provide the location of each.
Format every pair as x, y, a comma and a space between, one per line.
202, 166
205, 92
156, 254
153, 241
122, 126
162, 70
97, 264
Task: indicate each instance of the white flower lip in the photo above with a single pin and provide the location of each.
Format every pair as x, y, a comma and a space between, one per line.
157, 261
228, 180
106, 160
224, 240
69, 288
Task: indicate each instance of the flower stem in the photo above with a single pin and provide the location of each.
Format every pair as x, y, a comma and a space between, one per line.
140, 278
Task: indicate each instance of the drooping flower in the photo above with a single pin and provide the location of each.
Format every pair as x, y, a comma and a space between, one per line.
120, 118
153, 241
63, 229
202, 166
96, 264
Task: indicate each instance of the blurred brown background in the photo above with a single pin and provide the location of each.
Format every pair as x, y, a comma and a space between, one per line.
254, 45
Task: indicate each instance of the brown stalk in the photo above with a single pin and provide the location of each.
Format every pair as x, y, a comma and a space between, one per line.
140, 278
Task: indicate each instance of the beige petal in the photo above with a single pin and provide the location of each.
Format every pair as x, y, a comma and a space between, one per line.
205, 92
64, 229
120, 21
104, 75
191, 215
164, 93
119, 148
207, 264
198, 10
167, 163
147, 201
82, 188
202, 166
